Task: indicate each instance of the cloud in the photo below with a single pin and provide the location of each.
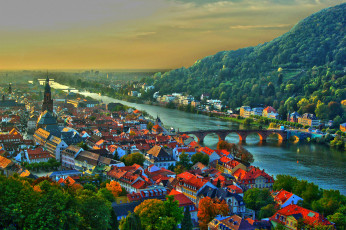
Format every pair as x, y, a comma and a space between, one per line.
265, 27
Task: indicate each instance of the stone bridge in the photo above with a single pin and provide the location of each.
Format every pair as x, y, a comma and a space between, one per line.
222, 134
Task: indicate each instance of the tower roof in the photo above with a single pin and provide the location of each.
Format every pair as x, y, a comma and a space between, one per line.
47, 119
47, 86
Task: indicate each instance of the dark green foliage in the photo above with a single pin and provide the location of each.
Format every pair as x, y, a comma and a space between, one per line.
133, 158
267, 211
114, 224
184, 161
200, 157
311, 55
46, 205
323, 201
256, 198
218, 184
186, 223
131, 222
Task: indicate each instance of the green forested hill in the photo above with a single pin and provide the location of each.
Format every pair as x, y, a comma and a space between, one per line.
300, 70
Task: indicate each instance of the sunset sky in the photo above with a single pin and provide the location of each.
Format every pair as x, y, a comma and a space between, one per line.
138, 34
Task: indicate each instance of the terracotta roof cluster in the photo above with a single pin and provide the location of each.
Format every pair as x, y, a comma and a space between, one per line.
68, 180
38, 153
187, 178
254, 173
282, 196
269, 109
131, 175
4, 162
310, 217
182, 199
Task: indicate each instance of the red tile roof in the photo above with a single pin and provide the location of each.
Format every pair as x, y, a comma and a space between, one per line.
38, 153
282, 196
310, 217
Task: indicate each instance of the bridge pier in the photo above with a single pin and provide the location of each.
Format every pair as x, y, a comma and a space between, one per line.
222, 134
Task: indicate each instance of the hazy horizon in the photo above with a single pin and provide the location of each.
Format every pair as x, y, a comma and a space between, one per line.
138, 34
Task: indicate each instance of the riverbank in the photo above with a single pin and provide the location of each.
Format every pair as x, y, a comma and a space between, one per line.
319, 164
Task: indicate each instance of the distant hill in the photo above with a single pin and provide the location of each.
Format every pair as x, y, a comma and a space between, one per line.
311, 58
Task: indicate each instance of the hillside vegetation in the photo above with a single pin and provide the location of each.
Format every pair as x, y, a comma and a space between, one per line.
300, 70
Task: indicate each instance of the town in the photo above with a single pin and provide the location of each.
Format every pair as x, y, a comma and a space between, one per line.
135, 163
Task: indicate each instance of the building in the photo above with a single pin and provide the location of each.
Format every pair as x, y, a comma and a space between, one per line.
186, 203
308, 119
11, 139
291, 214
69, 154
234, 201
234, 222
41, 136
57, 175
245, 111
256, 178
343, 127
37, 155
257, 111
131, 178
179, 150
47, 104
190, 185
5, 166
284, 198
293, 117
54, 146
268, 110
158, 156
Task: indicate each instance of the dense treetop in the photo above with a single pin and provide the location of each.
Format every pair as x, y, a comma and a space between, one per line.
307, 61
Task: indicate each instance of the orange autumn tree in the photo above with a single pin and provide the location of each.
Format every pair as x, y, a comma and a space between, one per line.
209, 208
114, 187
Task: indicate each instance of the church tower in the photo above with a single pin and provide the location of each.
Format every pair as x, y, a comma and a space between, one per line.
47, 98
9, 88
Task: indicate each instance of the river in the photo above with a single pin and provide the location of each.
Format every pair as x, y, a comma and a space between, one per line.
315, 163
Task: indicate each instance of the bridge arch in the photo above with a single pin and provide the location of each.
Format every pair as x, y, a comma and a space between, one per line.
233, 137
262, 137
294, 138
279, 136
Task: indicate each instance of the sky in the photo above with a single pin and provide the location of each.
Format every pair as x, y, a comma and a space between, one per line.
138, 34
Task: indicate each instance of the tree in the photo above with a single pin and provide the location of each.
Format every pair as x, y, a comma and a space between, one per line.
339, 218
200, 157
267, 211
94, 210
330, 201
179, 169
322, 111
114, 187
83, 145
257, 198
149, 212
244, 155
155, 214
133, 158
248, 121
186, 223
209, 208
184, 160
335, 109
284, 182
131, 222
218, 184
173, 211
106, 194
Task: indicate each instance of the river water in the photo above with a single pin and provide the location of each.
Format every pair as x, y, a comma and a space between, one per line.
315, 163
